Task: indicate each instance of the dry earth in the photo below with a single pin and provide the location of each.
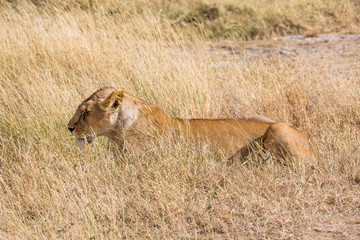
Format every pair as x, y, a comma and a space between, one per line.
332, 55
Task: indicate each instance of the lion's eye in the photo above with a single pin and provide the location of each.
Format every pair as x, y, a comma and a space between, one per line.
84, 114
115, 104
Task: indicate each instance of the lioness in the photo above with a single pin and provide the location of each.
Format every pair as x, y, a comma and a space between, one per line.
131, 122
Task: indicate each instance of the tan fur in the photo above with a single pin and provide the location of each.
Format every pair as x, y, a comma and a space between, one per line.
259, 118
132, 123
283, 140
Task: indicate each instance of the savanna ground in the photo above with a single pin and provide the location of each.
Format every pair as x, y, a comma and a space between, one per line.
191, 58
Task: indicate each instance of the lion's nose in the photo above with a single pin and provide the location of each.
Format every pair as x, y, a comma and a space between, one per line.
71, 129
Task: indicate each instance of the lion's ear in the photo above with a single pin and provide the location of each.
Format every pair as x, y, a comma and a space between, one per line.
87, 107
113, 101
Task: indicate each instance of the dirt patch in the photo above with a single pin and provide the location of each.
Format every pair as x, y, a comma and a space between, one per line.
342, 227
334, 54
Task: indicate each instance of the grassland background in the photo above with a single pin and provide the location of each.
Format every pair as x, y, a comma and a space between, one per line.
55, 53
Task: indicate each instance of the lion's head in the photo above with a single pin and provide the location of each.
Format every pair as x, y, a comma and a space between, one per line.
96, 115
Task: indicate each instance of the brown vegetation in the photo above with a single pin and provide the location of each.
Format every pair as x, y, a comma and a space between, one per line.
55, 53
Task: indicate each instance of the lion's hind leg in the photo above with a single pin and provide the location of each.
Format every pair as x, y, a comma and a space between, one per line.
284, 141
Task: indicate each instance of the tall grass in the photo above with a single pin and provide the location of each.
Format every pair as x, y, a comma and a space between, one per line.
54, 54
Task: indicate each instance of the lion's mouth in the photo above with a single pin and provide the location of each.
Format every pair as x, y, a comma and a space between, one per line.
89, 139
81, 141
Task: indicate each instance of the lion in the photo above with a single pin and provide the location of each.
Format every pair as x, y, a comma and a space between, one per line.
131, 123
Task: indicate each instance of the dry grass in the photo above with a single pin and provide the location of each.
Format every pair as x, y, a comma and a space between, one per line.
51, 59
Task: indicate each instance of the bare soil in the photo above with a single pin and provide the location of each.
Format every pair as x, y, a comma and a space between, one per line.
339, 53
